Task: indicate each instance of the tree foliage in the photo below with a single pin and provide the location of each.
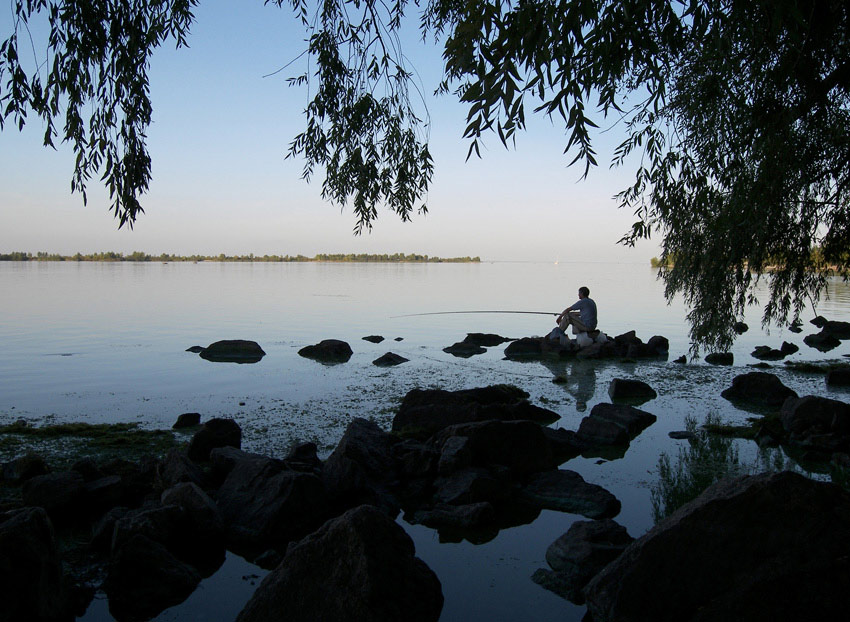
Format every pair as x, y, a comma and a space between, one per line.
735, 115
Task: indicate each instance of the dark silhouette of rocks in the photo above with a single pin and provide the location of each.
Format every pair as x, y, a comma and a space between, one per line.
822, 341
425, 411
359, 567
195, 349
736, 564
329, 351
627, 345
759, 389
233, 351
612, 425
214, 433
390, 359
740, 327
373, 338
766, 353
579, 554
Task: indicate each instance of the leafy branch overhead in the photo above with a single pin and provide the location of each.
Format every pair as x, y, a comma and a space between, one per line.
735, 115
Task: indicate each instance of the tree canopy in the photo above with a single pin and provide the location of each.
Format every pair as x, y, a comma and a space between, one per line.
736, 117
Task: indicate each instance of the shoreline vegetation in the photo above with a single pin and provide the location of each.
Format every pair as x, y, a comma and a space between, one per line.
141, 256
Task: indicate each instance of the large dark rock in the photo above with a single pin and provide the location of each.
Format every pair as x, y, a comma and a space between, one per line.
200, 513
176, 467
817, 423
720, 358
187, 420
359, 567
24, 467
839, 330
469, 516
630, 389
464, 349
31, 583
214, 433
519, 445
613, 424
758, 388
425, 411
838, 377
746, 549
566, 491
579, 554
362, 467
328, 351
525, 348
61, 494
145, 578
263, 504
233, 351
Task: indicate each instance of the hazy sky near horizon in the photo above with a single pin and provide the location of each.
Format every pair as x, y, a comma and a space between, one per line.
221, 183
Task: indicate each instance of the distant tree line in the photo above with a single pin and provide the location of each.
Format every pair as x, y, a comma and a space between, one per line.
140, 256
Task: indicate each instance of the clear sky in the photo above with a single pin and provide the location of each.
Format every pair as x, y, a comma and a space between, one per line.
221, 184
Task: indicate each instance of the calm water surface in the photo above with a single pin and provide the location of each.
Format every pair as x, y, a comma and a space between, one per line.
101, 342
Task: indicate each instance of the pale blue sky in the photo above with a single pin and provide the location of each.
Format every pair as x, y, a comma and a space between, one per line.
221, 184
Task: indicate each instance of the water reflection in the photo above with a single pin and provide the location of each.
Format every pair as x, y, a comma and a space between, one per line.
577, 377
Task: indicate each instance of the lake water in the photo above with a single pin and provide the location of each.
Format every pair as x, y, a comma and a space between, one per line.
105, 342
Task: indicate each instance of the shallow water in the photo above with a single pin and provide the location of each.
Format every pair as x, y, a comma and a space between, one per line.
104, 342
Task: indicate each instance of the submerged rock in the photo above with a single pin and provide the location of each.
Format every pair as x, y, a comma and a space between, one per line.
328, 351
389, 359
373, 338
566, 491
734, 564
463, 349
485, 339
579, 554
233, 351
359, 567
817, 423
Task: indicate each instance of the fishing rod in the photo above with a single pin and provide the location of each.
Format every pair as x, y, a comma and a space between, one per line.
457, 312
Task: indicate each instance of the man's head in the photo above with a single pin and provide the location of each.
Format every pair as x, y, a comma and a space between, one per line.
583, 292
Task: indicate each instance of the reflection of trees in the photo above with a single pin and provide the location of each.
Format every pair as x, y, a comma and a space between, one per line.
578, 378
711, 457
707, 459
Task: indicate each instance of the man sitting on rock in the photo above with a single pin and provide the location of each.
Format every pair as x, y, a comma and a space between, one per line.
581, 315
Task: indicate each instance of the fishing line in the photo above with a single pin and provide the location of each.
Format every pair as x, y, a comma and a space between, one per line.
457, 312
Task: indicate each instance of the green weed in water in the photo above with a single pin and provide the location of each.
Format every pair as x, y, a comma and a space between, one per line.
707, 459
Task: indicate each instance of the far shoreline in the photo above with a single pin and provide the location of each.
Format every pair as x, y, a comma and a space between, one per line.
139, 256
